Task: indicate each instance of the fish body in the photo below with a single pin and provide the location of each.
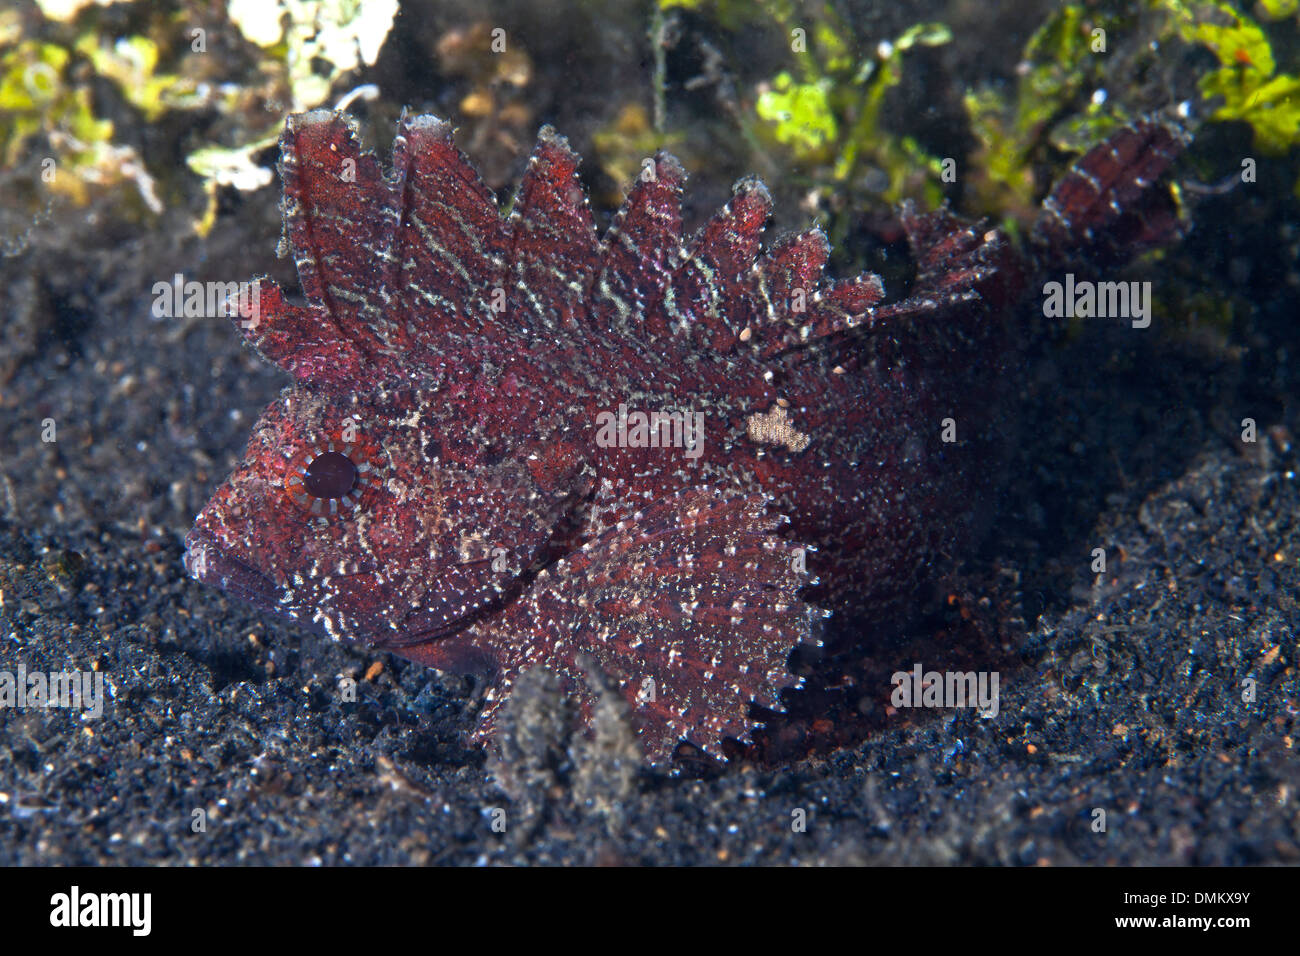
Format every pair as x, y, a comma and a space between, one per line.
510, 442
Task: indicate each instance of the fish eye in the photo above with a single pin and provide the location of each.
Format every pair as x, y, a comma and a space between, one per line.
330, 477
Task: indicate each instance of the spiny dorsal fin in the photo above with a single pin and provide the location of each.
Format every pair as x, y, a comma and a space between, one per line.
643, 244
335, 203
448, 248
553, 248
453, 274
709, 295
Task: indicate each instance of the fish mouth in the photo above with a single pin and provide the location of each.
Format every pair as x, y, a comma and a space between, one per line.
206, 561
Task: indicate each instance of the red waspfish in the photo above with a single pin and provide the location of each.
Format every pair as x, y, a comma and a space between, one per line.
510, 441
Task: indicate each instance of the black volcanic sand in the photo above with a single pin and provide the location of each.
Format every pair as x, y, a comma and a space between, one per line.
1120, 692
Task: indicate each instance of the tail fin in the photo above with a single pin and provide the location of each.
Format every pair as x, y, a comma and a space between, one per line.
1105, 209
